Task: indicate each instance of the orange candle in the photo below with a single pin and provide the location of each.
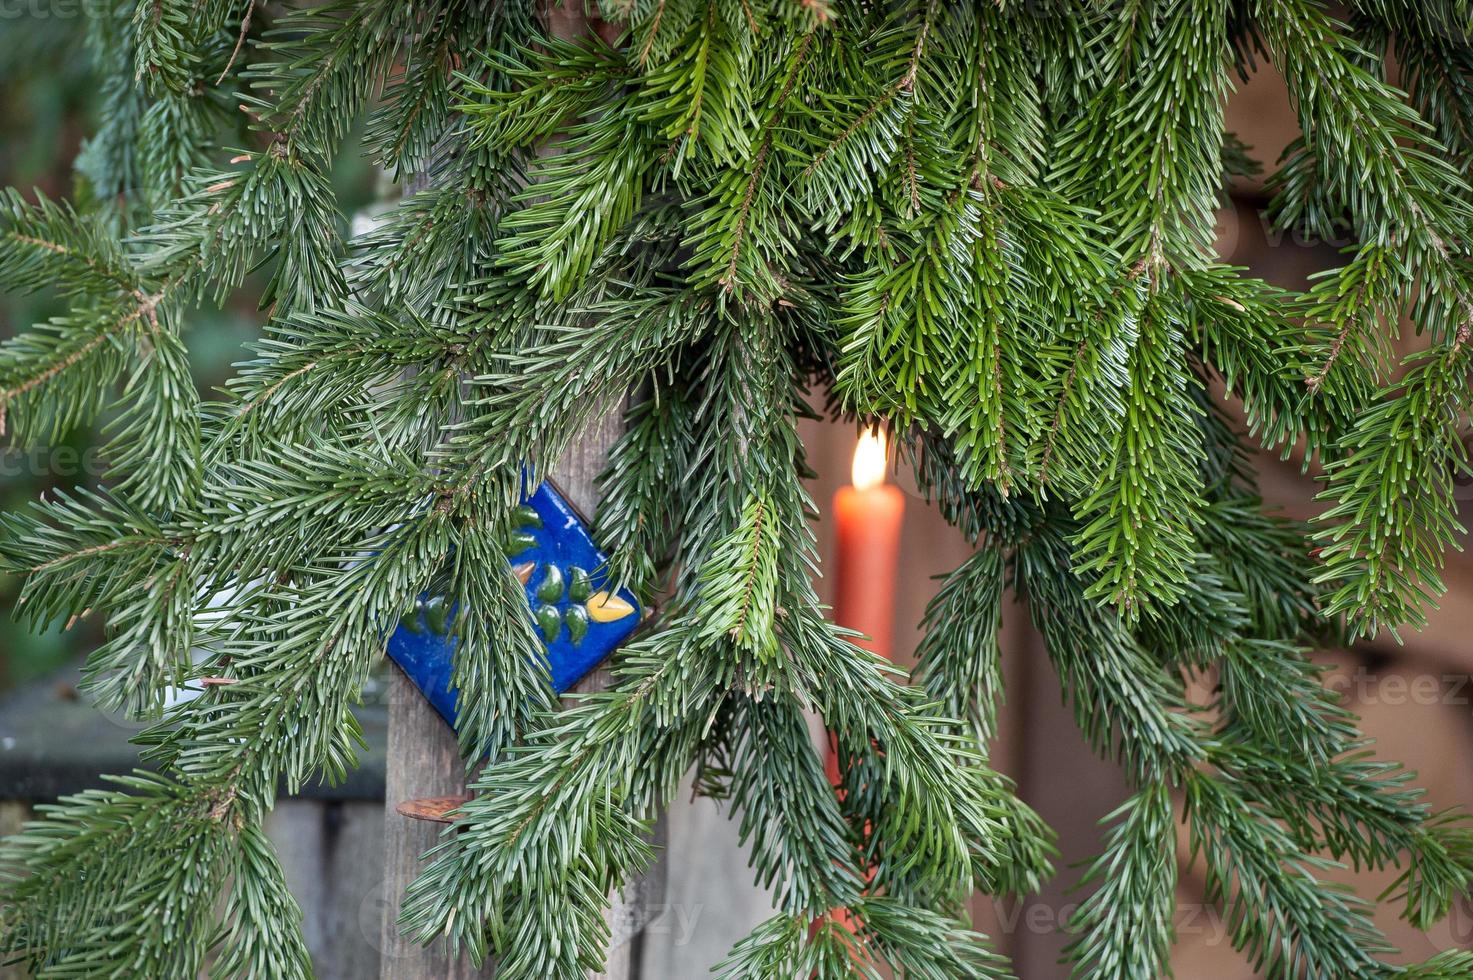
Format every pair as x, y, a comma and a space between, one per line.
868, 516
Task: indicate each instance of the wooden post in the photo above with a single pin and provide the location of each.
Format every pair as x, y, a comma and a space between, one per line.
424, 761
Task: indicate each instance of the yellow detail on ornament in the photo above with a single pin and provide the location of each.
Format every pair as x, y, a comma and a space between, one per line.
606, 608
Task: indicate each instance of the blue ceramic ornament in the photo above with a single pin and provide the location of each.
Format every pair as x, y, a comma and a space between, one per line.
580, 621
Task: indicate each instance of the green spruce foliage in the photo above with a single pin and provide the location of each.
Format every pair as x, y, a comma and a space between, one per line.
988, 226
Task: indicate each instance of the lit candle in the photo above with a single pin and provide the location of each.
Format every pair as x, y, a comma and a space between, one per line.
868, 516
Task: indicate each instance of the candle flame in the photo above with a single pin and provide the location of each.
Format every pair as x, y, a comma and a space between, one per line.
868, 471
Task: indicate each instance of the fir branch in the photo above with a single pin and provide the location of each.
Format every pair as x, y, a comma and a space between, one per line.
71, 906
56, 376
739, 587
959, 660
544, 88
1448, 965
500, 668
698, 95
741, 231
1314, 930
1127, 922
799, 838
84, 554
1113, 682
1266, 559
1267, 360
638, 517
1385, 537
155, 441
49, 245
1167, 121
942, 825
1137, 538
1276, 696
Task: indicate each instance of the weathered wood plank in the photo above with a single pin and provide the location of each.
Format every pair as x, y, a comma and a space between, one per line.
327, 850
423, 760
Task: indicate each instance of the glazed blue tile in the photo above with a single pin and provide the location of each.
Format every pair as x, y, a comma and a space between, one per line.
556, 540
